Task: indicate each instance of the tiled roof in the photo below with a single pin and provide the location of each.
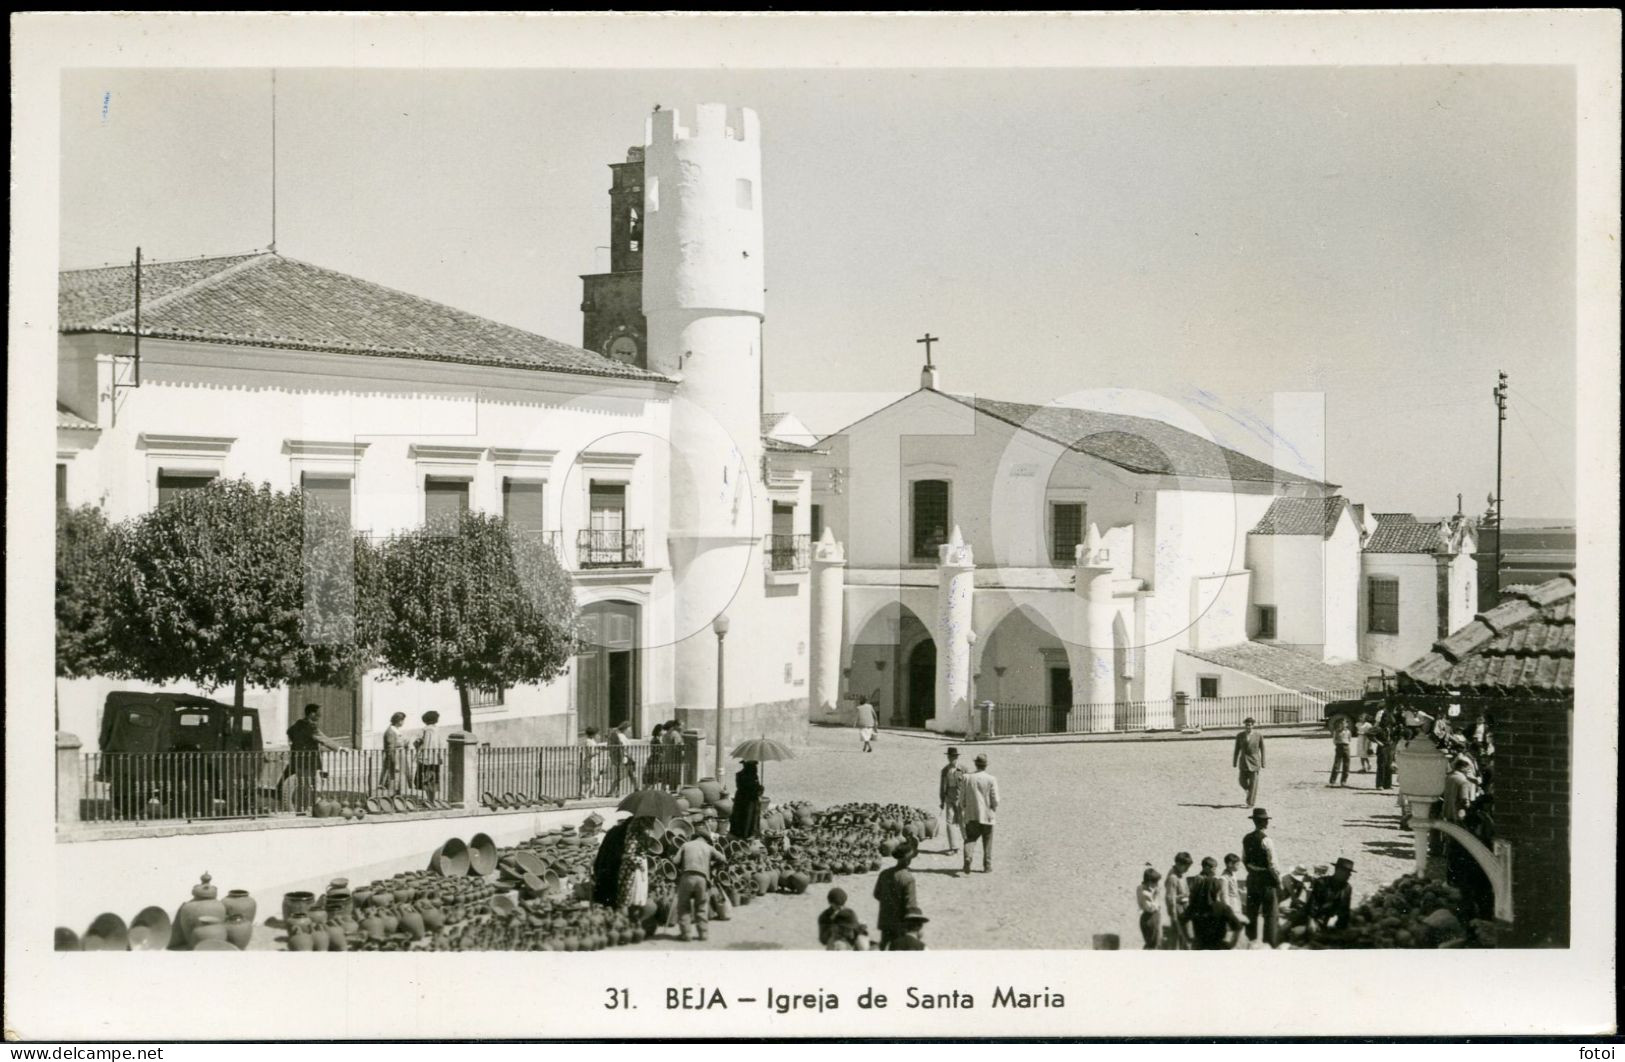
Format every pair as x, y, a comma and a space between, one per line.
1139, 444
67, 418
1403, 533
1526, 643
1287, 667
267, 300
773, 444
1302, 516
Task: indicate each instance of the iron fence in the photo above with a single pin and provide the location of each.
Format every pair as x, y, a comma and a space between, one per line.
523, 775
194, 786
609, 549
787, 553
1115, 717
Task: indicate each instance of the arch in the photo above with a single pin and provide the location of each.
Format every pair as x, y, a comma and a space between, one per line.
878, 655
609, 670
1024, 662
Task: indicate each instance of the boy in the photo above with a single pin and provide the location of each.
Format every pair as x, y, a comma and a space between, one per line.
828, 916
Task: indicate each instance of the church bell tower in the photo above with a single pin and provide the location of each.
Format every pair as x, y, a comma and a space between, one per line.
612, 320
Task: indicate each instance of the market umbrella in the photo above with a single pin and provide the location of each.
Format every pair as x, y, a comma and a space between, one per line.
761, 750
652, 803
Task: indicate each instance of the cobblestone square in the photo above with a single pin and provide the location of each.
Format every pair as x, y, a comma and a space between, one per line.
1077, 823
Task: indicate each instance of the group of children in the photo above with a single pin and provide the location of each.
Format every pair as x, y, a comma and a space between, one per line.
1211, 911
839, 928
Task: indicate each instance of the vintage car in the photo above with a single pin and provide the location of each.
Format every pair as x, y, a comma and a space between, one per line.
177, 755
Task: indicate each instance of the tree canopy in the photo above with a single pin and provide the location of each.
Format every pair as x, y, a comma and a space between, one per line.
87, 561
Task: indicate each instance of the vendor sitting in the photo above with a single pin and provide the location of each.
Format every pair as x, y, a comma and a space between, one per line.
1331, 899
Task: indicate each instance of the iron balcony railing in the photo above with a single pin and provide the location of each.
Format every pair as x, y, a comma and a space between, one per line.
194, 786
609, 549
787, 553
1008, 719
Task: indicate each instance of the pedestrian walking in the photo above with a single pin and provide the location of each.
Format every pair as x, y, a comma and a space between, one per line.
1248, 758
1382, 745
867, 723
1263, 880
671, 760
1212, 920
394, 754
305, 744
979, 803
620, 755
1362, 730
894, 890
695, 861
950, 785
431, 750
590, 770
1175, 899
1149, 896
1341, 738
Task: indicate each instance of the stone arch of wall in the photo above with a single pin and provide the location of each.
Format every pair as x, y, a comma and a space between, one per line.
878, 653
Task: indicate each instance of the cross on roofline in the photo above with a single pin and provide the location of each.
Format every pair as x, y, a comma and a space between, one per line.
928, 340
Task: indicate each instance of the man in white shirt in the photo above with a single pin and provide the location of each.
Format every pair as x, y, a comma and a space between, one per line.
430, 750
866, 723
979, 802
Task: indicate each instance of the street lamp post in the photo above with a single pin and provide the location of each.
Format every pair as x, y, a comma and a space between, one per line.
720, 626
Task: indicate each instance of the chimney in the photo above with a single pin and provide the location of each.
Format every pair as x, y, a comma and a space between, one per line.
928, 378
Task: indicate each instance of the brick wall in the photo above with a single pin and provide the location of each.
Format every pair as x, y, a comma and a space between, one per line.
1532, 802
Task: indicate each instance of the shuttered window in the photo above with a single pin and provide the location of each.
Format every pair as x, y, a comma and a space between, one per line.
444, 500
1382, 606
171, 484
1066, 535
330, 492
522, 504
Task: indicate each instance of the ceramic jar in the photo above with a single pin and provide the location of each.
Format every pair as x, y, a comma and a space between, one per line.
710, 789
204, 903
239, 931
296, 905
241, 905
207, 927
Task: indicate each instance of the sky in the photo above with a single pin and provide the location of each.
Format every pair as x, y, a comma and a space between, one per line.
1387, 237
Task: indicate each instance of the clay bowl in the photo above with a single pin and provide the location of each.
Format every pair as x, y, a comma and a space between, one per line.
530, 862
67, 940
451, 859
151, 930
400, 805
107, 933
503, 904
375, 806
482, 855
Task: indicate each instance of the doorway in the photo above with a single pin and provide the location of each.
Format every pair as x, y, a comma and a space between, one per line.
607, 683
1060, 698
922, 683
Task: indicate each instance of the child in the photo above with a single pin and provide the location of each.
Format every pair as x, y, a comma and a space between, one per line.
912, 938
847, 933
1149, 896
828, 917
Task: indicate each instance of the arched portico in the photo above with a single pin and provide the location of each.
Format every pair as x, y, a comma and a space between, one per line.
883, 657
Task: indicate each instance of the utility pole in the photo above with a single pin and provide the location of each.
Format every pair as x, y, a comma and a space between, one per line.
1500, 509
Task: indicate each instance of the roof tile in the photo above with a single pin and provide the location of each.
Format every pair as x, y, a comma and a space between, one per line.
1523, 644
1302, 516
1286, 667
1403, 533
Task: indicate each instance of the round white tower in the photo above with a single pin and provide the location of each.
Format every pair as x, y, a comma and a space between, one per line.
703, 301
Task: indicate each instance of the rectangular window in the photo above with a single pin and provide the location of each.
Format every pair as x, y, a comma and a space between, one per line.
1207, 688
784, 519
332, 492
743, 195
1066, 531
171, 484
61, 485
1266, 621
444, 500
522, 504
606, 503
1442, 599
930, 518
485, 698
815, 519
1382, 606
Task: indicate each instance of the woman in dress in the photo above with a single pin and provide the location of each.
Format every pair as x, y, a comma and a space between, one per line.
632, 894
672, 760
657, 753
746, 820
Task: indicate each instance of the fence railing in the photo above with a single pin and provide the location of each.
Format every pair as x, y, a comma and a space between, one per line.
194, 786
1014, 719
609, 549
538, 773
787, 553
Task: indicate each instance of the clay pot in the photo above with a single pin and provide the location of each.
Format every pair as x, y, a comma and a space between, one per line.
412, 922
239, 903
296, 905
710, 790
383, 899
239, 931
107, 933
207, 927
319, 939
450, 859
151, 930
482, 855
693, 795
682, 804
373, 926
433, 919
337, 938
392, 921
204, 902
797, 881
405, 894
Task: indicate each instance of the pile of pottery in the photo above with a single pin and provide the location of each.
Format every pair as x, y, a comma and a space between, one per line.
540, 925
203, 923
1411, 912
505, 801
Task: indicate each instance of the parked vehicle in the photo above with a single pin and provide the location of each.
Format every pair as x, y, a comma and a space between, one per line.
177, 755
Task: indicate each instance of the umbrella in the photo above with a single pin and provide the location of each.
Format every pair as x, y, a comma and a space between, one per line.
761, 750
652, 803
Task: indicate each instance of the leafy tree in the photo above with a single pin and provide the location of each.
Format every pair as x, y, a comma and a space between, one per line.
243, 585
87, 563
476, 604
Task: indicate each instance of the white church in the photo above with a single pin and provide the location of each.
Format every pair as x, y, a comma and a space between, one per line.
944, 550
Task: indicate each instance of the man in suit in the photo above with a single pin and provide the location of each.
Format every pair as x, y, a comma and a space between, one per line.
1263, 880
979, 801
1248, 756
949, 784
1331, 899
894, 889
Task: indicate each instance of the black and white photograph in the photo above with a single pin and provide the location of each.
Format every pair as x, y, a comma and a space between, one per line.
1016, 487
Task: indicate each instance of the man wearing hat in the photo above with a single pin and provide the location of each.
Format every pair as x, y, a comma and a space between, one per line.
1460, 790
949, 784
1248, 757
894, 889
913, 928
979, 801
1211, 918
1331, 899
1263, 880
694, 862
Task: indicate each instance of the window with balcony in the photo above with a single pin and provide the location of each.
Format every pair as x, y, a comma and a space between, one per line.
607, 542
445, 500
173, 484
1382, 606
786, 550
1066, 520
929, 518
